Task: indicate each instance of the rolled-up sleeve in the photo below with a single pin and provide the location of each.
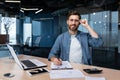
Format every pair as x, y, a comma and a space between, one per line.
95, 42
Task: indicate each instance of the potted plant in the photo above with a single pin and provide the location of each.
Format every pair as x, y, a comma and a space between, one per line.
7, 24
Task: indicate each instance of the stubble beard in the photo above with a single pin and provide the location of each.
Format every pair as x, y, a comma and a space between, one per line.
73, 28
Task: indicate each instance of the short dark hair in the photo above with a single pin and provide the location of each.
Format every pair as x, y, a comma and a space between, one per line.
73, 12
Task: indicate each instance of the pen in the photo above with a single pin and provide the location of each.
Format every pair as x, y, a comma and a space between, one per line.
59, 61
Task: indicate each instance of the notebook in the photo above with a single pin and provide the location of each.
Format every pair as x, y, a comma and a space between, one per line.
26, 64
64, 65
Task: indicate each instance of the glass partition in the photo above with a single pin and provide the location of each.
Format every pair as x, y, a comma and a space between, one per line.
104, 23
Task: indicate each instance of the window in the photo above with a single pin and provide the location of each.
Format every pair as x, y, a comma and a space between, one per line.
8, 26
27, 33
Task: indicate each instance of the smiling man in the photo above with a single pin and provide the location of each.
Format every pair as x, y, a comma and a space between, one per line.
74, 45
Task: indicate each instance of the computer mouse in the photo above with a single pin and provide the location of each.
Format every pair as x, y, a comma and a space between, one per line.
9, 75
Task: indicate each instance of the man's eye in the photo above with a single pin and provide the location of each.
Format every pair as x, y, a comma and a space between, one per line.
74, 20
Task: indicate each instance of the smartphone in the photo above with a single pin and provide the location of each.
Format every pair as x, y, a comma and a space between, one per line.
37, 71
92, 70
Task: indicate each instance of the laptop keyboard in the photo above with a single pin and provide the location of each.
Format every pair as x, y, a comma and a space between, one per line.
28, 63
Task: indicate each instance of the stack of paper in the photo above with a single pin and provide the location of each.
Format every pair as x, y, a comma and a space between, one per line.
57, 74
94, 78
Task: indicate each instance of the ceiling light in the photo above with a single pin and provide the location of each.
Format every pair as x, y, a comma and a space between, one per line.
38, 11
27, 9
94, 13
13, 1
106, 16
49, 18
21, 10
119, 23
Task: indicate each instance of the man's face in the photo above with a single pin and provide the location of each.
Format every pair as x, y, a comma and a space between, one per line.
73, 22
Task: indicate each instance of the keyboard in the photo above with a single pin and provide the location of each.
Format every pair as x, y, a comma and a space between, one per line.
28, 63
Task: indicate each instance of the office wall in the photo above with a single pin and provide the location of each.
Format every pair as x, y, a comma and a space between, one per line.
119, 30
44, 29
62, 23
119, 41
36, 29
19, 31
46, 26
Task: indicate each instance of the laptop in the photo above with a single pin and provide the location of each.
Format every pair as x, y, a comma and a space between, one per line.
26, 64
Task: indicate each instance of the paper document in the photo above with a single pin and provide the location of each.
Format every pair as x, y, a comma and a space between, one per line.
94, 78
57, 74
65, 65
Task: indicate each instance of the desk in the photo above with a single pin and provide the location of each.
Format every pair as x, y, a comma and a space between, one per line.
8, 65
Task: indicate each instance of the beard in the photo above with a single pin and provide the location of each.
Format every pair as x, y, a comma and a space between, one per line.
73, 27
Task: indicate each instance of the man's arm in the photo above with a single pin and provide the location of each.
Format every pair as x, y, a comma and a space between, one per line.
55, 52
90, 30
96, 40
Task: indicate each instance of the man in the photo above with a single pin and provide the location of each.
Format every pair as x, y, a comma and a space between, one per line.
73, 45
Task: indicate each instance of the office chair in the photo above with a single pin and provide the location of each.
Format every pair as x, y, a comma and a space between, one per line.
27, 42
37, 42
26, 47
29, 49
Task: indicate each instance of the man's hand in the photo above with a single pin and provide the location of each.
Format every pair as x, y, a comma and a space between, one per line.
56, 61
84, 23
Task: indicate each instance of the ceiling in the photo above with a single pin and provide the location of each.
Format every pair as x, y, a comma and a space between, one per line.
55, 5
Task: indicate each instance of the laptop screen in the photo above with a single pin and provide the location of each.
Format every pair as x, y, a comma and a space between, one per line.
14, 55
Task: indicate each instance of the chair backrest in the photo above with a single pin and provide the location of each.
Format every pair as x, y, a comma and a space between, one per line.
37, 41
27, 41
